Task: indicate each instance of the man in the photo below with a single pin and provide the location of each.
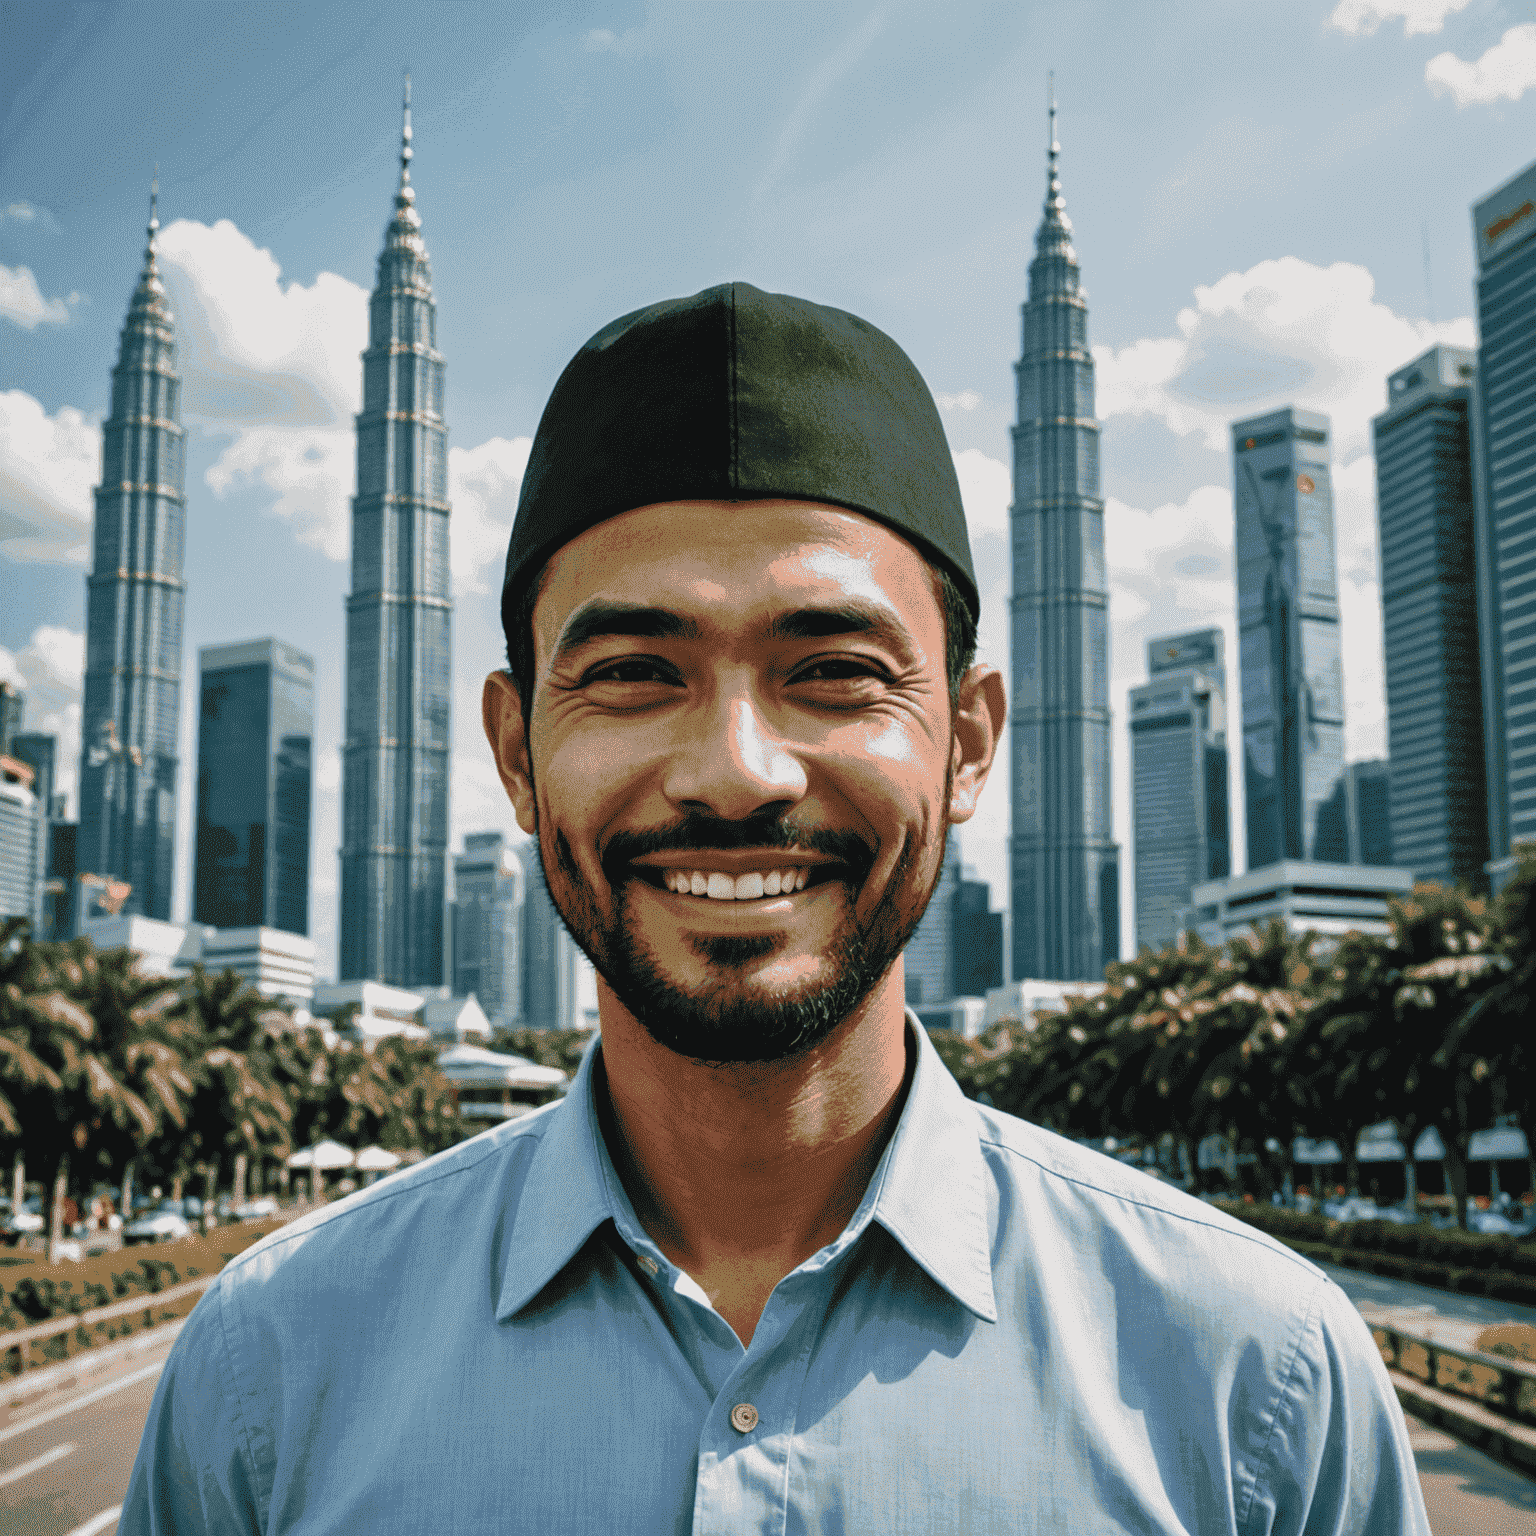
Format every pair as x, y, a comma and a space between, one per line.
765, 1269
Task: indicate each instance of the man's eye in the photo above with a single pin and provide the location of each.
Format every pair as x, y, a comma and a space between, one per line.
838, 670
638, 670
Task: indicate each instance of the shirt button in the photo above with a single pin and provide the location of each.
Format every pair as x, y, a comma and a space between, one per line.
744, 1418
647, 1263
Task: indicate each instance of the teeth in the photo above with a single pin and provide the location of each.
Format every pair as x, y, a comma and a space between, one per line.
719, 886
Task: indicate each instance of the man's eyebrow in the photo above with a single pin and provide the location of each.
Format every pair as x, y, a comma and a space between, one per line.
843, 619
599, 619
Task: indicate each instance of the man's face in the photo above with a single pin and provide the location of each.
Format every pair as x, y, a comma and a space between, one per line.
740, 764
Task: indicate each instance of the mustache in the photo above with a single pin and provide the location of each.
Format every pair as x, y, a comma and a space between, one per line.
694, 834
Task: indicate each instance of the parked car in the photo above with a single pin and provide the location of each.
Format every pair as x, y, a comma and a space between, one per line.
250, 1210
166, 1225
22, 1223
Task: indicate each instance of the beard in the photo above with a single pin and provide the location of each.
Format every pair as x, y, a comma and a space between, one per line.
724, 1021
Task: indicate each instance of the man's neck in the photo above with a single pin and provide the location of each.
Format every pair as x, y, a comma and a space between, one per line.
740, 1173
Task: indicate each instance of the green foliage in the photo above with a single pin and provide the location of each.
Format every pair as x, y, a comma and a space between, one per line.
561, 1048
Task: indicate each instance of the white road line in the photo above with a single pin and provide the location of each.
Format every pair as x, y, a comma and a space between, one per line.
11, 1430
98, 1522
36, 1464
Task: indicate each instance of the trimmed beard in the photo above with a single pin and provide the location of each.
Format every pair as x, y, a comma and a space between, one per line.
712, 1026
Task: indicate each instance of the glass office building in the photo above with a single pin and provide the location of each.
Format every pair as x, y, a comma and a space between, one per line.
394, 786
254, 748
1504, 483
1064, 863
1178, 779
1288, 637
487, 926
129, 719
549, 953
1437, 782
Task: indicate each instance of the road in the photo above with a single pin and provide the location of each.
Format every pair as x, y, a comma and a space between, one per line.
65, 1460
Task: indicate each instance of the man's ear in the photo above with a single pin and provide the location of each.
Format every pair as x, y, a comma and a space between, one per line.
980, 715
502, 712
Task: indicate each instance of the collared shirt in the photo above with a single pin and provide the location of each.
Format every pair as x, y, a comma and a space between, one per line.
1013, 1334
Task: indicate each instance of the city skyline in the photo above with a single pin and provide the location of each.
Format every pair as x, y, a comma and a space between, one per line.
1211, 299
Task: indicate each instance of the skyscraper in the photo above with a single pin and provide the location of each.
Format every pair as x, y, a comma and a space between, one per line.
12, 703
1437, 782
40, 753
1288, 636
255, 735
134, 597
394, 854
928, 960
1178, 780
1064, 865
549, 952
487, 926
1504, 446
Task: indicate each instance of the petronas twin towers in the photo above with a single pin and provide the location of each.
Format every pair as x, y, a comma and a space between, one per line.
399, 615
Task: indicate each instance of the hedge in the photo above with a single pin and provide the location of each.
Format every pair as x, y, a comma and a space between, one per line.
1472, 1263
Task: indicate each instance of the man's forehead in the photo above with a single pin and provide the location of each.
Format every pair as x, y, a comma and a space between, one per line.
727, 554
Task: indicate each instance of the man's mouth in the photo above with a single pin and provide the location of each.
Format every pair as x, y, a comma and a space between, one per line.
749, 880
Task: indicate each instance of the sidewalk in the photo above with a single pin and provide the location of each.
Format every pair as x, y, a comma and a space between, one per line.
1446, 1317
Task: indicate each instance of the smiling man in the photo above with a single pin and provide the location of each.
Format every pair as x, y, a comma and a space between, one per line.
765, 1269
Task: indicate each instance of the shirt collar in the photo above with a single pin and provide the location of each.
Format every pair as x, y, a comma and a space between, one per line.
928, 1191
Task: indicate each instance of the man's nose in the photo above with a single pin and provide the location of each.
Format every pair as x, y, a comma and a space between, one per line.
736, 764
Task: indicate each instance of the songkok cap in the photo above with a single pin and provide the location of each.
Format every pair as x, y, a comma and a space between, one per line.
734, 395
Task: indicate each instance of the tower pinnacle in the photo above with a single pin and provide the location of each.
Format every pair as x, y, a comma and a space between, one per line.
1055, 228
149, 297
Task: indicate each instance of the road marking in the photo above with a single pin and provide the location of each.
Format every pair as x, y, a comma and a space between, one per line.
36, 1464
98, 1523
11, 1430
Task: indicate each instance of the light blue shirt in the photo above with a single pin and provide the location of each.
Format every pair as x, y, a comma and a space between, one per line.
1012, 1334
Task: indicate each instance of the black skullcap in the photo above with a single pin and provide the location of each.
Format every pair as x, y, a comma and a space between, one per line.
734, 395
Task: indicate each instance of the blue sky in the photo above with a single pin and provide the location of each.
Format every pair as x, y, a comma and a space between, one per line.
1253, 188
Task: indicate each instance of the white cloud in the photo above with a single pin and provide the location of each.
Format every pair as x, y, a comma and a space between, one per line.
966, 400
49, 670
22, 213
22, 301
310, 471
328, 770
986, 491
1505, 72
48, 467
1285, 332
483, 484
1418, 16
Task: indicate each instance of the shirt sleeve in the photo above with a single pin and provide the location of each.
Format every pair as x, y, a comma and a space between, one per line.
1339, 1462
193, 1472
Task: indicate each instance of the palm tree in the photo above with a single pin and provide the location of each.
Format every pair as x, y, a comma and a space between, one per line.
236, 1108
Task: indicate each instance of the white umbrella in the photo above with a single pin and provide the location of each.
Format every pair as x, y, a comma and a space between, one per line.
304, 1159
372, 1159
331, 1154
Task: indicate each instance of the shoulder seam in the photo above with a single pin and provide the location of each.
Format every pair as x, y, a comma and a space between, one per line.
1255, 1237
262, 1493
333, 1216
1283, 1387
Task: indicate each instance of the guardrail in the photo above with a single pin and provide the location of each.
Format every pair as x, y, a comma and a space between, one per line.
1499, 1382
67, 1322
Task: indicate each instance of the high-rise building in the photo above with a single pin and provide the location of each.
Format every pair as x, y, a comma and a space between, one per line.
21, 884
394, 854
1288, 636
1438, 785
1368, 815
40, 753
134, 597
255, 736
1064, 865
12, 703
1504, 448
1178, 779
487, 926
976, 939
549, 953
928, 960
